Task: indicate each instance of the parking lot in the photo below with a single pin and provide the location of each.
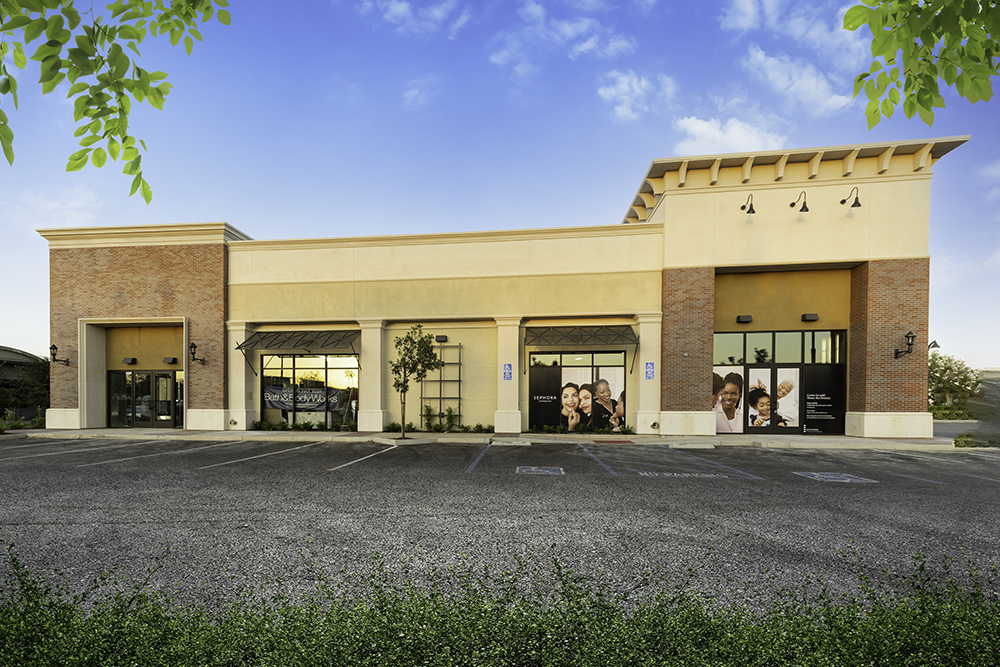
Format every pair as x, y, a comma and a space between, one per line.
238, 512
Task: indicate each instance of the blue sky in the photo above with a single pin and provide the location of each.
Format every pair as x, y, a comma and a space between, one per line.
346, 118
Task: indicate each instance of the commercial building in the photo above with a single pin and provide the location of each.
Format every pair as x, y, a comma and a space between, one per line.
787, 281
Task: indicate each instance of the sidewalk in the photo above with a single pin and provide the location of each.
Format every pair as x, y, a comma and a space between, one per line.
525, 439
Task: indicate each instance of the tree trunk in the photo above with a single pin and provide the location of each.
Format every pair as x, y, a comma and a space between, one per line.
402, 418
947, 398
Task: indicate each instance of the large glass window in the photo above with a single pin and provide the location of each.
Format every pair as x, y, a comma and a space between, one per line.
728, 349
310, 388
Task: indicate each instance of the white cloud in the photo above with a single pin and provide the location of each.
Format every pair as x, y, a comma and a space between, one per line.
643, 7
991, 172
633, 95
419, 91
459, 23
818, 26
577, 36
798, 81
735, 136
71, 207
421, 20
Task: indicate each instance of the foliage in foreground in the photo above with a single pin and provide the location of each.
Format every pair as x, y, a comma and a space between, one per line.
466, 616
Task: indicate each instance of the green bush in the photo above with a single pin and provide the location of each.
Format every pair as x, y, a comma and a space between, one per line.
970, 440
951, 412
531, 614
393, 427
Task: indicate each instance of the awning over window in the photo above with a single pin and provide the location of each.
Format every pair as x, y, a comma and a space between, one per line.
577, 336
308, 341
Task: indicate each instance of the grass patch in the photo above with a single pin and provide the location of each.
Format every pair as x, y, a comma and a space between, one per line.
529, 615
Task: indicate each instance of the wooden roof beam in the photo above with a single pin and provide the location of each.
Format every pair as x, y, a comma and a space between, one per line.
779, 167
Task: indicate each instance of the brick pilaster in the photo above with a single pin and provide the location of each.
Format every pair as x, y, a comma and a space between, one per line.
688, 327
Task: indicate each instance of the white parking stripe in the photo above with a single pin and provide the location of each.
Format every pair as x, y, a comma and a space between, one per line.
260, 456
980, 477
73, 451
143, 456
363, 458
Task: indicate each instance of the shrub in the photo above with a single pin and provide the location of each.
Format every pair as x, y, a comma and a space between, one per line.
951, 412
393, 427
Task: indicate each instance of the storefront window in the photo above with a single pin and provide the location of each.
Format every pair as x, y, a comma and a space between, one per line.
759, 350
728, 349
315, 389
578, 391
788, 347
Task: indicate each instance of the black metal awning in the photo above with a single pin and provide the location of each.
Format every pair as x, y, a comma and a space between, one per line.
309, 341
594, 335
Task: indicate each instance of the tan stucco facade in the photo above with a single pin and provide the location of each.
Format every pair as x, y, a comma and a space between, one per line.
484, 290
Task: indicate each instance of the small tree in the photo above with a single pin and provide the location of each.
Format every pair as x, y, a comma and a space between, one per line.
415, 357
951, 379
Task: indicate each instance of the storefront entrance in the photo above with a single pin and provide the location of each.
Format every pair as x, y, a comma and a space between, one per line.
780, 382
145, 399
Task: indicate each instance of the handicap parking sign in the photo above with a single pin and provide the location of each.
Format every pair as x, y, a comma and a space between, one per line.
508, 372
650, 370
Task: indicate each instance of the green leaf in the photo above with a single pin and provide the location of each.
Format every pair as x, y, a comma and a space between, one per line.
54, 25
71, 15
894, 96
855, 17
887, 108
873, 117
114, 148
7, 141
51, 84
90, 140
884, 44
188, 44
16, 22
147, 193
77, 88
155, 98
4, 85
98, 158
927, 116
20, 59
223, 15
135, 184
82, 130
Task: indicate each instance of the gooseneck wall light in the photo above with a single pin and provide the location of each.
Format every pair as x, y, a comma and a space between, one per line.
910, 339
856, 204
802, 196
53, 350
748, 207
194, 348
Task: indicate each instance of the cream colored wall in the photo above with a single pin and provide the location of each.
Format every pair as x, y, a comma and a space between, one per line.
479, 370
588, 271
778, 299
704, 226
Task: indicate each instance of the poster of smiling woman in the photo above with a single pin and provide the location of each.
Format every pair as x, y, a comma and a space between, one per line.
728, 401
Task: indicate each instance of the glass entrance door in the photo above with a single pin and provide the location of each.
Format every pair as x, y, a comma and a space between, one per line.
772, 399
145, 399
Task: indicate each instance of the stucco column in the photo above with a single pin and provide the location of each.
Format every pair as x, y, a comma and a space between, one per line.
371, 410
243, 384
507, 418
647, 404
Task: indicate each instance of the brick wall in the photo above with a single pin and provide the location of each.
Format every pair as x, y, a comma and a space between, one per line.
142, 282
888, 299
688, 325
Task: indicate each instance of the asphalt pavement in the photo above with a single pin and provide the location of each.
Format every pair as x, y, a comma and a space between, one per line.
218, 514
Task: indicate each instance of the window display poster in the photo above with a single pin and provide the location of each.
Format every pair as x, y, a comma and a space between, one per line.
576, 397
772, 398
303, 400
824, 399
727, 398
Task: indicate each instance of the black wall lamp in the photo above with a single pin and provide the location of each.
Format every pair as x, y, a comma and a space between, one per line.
810, 317
194, 348
856, 204
802, 196
748, 207
744, 319
129, 361
170, 360
910, 338
441, 338
53, 350
933, 345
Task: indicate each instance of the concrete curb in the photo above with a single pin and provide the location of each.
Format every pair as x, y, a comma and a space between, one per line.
522, 440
